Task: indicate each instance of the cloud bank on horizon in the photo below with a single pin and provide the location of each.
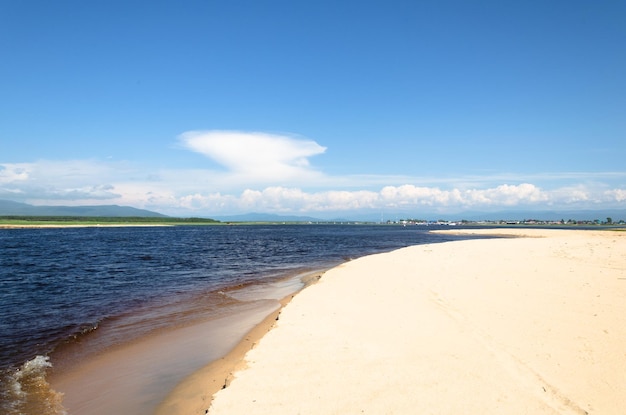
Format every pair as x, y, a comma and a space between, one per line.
261, 172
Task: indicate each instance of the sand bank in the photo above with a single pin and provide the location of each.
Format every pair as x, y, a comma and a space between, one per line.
527, 325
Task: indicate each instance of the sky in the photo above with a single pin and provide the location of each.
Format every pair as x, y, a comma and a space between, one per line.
319, 108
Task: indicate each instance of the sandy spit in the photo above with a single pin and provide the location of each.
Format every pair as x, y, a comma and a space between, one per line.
532, 325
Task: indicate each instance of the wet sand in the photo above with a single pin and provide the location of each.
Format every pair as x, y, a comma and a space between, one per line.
518, 325
134, 378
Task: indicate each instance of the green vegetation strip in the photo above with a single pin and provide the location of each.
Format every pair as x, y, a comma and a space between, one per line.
98, 220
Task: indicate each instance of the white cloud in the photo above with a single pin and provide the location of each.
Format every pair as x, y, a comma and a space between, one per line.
502, 195
13, 173
507, 195
190, 192
284, 199
405, 198
617, 195
58, 180
271, 173
406, 195
573, 194
256, 156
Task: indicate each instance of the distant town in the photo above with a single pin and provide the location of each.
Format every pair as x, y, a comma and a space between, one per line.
562, 222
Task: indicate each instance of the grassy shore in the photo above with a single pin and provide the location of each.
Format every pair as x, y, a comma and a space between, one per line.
70, 221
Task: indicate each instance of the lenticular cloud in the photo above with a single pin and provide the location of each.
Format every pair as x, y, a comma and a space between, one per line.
251, 153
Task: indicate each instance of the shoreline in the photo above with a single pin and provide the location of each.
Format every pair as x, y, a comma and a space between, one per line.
89, 225
505, 337
142, 373
195, 393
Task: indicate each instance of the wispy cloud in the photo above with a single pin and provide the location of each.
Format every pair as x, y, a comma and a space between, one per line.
67, 180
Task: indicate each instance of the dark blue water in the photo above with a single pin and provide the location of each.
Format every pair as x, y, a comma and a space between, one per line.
57, 285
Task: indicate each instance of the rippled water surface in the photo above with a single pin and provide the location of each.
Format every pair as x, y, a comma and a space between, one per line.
57, 285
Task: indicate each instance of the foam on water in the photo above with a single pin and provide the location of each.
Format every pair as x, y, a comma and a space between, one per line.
26, 390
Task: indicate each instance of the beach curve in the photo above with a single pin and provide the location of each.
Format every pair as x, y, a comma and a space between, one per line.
516, 325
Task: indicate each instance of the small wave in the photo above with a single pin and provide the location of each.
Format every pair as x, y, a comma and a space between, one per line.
86, 329
26, 391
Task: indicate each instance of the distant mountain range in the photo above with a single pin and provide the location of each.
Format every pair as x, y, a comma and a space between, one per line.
10, 208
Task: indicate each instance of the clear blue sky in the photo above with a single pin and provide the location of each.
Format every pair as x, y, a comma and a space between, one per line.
318, 107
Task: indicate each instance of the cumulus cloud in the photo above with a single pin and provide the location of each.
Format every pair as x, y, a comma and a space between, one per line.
405, 198
284, 199
172, 191
16, 172
508, 195
502, 195
618, 195
257, 156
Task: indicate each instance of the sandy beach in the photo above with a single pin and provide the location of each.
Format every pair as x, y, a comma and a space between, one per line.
527, 325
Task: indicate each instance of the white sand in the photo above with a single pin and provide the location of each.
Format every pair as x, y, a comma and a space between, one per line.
500, 326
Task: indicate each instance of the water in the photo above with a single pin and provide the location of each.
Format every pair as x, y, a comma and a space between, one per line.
59, 286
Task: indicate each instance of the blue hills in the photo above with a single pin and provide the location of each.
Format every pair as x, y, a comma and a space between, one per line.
10, 208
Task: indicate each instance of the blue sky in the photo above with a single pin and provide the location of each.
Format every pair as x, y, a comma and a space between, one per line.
324, 108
